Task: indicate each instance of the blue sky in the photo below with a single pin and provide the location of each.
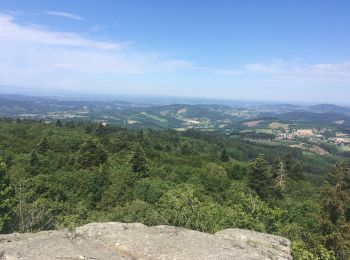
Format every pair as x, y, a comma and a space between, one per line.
259, 50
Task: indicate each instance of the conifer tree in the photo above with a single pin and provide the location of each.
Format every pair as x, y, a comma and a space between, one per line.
293, 168
34, 160
186, 149
138, 159
288, 162
44, 145
296, 172
334, 224
58, 123
260, 178
90, 154
224, 156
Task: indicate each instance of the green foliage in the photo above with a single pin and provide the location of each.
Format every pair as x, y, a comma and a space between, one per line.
296, 172
150, 189
236, 171
224, 156
6, 201
334, 225
34, 159
214, 179
252, 212
300, 251
186, 206
260, 178
58, 123
138, 159
186, 149
70, 173
180, 206
90, 154
137, 211
120, 188
44, 145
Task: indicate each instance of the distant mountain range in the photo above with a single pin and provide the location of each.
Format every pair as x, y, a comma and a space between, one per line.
145, 112
329, 108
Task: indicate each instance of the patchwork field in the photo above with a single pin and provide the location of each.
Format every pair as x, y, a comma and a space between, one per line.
264, 130
344, 148
252, 123
156, 118
310, 148
318, 150
276, 125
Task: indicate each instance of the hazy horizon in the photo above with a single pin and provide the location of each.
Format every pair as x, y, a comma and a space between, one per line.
171, 99
286, 51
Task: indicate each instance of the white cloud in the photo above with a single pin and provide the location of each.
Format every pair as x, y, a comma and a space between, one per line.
97, 28
34, 55
327, 72
66, 15
11, 31
179, 65
229, 72
37, 56
262, 68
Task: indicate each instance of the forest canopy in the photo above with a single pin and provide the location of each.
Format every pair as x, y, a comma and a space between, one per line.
67, 174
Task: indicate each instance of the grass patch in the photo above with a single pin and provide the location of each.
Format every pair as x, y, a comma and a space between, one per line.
277, 125
344, 148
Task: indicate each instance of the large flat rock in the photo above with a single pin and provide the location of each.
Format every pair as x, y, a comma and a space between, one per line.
52, 245
136, 241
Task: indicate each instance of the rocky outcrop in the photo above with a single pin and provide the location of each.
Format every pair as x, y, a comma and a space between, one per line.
136, 241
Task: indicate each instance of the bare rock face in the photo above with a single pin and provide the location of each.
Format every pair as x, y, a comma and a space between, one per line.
52, 245
136, 241
274, 247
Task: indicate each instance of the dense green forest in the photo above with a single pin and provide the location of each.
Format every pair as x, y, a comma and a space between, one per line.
67, 174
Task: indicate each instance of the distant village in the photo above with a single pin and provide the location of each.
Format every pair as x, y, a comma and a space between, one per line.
324, 134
